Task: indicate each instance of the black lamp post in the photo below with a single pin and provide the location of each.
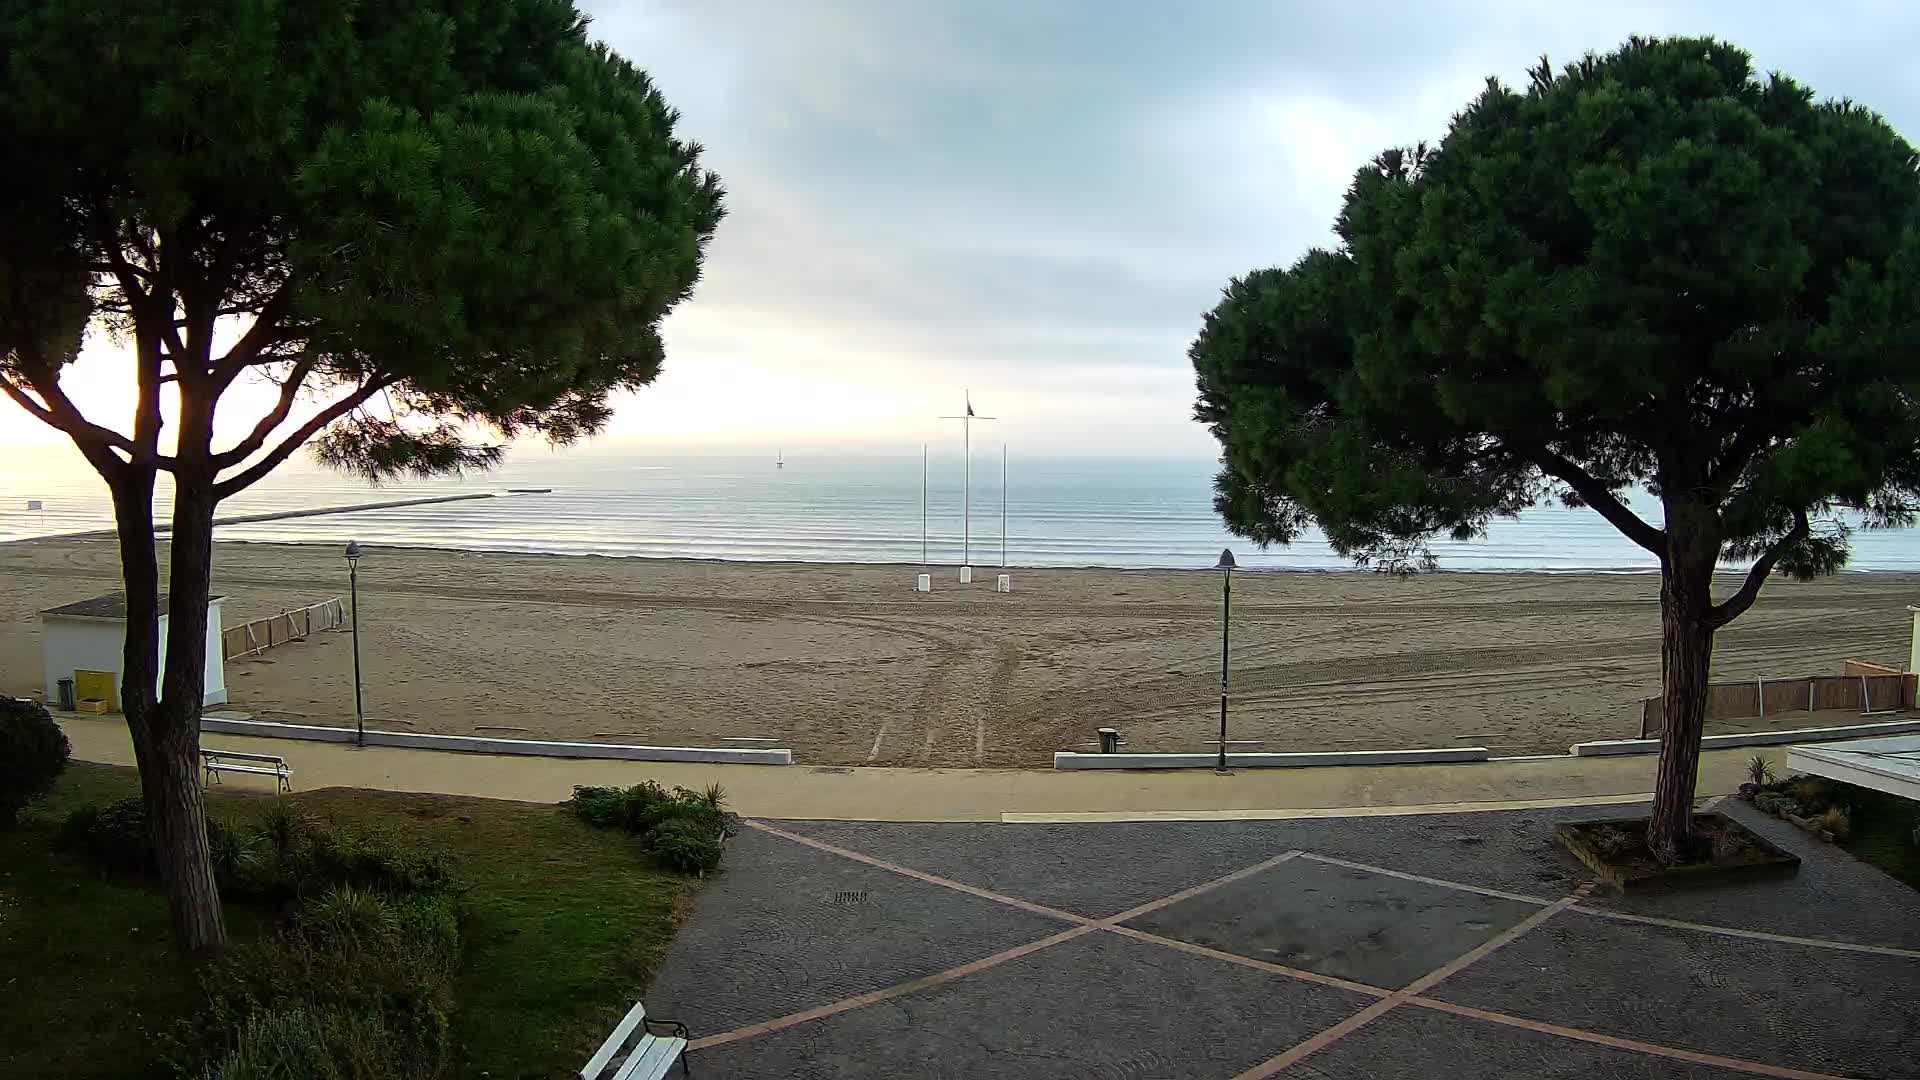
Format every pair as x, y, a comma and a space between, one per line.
353, 590
1225, 566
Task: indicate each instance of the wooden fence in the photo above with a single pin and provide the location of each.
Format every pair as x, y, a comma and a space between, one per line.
260, 635
1867, 688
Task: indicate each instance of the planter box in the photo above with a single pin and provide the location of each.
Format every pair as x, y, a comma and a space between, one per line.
1631, 866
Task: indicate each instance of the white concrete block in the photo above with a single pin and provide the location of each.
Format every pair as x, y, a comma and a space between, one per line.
1003, 583
1072, 760
923, 583
1611, 747
475, 744
966, 575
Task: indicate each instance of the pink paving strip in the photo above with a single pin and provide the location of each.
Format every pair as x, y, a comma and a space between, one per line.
1248, 961
1315, 1043
1402, 875
1753, 935
918, 875
1653, 1049
1204, 887
874, 997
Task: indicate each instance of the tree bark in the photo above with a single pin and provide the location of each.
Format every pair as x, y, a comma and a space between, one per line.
1686, 661
176, 807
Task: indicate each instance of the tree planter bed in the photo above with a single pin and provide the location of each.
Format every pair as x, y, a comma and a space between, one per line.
1616, 851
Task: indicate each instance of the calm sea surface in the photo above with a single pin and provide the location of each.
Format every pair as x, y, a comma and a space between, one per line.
608, 501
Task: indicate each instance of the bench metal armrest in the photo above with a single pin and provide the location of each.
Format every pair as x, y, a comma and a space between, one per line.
677, 1029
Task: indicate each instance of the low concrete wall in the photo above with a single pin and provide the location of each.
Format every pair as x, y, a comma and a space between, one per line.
474, 744
1074, 760
1609, 747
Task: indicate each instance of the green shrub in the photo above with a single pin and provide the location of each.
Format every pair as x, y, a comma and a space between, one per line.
33, 754
372, 974
680, 829
686, 844
311, 1044
367, 861
113, 837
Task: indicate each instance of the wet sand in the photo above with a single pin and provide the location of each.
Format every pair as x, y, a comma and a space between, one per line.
847, 665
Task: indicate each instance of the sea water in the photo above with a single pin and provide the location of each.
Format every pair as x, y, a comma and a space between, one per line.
834, 507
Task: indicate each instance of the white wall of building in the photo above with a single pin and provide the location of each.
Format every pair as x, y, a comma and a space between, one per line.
73, 643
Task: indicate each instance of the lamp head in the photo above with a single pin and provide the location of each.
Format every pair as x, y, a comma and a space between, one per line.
1226, 560
353, 551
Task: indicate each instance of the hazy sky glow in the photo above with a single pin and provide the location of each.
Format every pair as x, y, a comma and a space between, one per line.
1038, 200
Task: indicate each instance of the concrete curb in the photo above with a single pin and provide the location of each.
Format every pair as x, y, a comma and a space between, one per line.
475, 744
1611, 747
1075, 760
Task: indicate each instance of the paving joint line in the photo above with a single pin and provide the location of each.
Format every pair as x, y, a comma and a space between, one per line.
1618, 1043
1413, 994
1461, 886
1320, 1040
1624, 916
1753, 935
1085, 925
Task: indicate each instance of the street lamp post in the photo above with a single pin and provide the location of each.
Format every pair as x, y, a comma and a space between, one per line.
353, 591
1225, 566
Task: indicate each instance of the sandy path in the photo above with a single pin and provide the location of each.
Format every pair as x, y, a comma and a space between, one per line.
846, 664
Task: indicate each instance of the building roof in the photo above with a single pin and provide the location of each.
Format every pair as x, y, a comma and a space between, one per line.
112, 605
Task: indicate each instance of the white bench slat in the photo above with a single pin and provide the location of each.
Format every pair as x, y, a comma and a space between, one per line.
261, 769
651, 1059
221, 754
621, 1033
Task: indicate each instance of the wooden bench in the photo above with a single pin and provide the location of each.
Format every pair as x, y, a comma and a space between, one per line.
216, 762
633, 1052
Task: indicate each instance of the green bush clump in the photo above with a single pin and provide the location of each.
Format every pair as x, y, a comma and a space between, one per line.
309, 1044
680, 829
283, 858
112, 837
33, 754
359, 984
683, 844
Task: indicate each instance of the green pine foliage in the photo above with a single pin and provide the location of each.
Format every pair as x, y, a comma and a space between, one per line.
1651, 268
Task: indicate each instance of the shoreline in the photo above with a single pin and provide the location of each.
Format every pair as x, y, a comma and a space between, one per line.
979, 568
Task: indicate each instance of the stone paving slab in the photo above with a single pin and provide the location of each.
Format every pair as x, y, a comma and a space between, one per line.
1097, 1006
1833, 896
772, 935
1419, 1044
1791, 1005
1371, 928
1101, 869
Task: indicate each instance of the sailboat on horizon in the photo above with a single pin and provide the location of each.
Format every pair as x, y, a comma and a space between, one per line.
780, 459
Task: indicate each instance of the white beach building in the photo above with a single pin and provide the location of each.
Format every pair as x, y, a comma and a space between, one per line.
91, 635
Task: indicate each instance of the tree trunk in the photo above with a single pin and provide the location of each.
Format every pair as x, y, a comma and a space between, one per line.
165, 744
1686, 660
176, 808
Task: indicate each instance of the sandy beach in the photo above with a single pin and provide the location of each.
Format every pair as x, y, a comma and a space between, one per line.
847, 665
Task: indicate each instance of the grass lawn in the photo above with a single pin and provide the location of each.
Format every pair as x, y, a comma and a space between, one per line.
567, 925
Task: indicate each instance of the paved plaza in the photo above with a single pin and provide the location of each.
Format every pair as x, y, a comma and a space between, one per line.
1428, 947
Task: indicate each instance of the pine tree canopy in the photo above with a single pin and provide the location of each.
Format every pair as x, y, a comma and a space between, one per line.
1652, 269
436, 217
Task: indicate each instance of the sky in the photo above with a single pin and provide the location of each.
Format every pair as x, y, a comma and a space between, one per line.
1039, 200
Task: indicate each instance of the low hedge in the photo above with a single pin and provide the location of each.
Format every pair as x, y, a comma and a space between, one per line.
680, 830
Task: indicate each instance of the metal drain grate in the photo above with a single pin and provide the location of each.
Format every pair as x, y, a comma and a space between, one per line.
854, 896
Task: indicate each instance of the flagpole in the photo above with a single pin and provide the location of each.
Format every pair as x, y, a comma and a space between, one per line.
966, 486
1003, 506
923, 506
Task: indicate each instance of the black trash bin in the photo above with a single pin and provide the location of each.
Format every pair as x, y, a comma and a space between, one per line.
1109, 740
65, 687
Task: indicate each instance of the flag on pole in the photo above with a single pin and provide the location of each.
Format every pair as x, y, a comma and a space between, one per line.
969, 405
